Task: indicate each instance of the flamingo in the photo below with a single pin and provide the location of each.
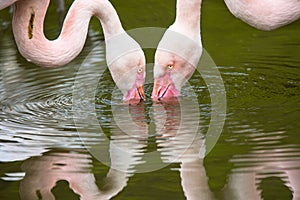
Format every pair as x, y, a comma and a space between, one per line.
179, 51
265, 14
28, 20
180, 48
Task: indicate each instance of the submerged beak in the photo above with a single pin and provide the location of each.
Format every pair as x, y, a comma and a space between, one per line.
159, 91
141, 93
164, 88
135, 95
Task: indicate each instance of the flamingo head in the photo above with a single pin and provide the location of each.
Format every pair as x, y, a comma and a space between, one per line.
128, 72
170, 74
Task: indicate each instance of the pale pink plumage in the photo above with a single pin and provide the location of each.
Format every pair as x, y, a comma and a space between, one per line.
179, 51
265, 14
28, 22
261, 14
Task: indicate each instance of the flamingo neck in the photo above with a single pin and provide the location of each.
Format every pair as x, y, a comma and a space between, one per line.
188, 17
4, 4
28, 22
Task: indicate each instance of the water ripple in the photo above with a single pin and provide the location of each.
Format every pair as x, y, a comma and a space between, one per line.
36, 109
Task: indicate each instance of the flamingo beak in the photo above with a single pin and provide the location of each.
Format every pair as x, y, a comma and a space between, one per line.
135, 95
141, 92
159, 91
164, 88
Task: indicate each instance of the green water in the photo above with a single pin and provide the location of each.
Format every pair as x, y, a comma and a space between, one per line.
256, 157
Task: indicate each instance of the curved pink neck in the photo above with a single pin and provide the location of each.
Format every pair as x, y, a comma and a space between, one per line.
28, 22
6, 3
188, 18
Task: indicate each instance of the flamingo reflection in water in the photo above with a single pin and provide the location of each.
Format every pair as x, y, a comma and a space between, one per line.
248, 182
42, 173
176, 143
126, 152
180, 141
173, 122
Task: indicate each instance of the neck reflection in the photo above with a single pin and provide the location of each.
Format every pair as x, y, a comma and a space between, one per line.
179, 141
44, 172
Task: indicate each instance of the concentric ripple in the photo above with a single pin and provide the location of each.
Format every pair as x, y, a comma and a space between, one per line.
36, 108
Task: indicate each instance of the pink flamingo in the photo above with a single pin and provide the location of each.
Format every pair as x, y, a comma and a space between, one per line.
180, 48
179, 51
28, 31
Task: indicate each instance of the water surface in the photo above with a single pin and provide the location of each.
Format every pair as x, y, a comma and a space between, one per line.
48, 145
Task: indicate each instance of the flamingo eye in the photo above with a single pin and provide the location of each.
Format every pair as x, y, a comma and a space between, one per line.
140, 70
170, 67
